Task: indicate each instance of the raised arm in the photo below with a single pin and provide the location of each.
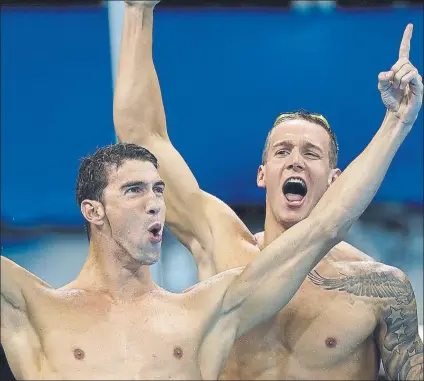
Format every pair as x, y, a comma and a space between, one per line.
268, 283
204, 224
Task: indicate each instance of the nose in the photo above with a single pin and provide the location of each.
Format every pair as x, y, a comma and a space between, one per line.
296, 162
153, 205
153, 208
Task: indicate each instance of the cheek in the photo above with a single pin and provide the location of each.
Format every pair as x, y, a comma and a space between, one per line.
320, 178
273, 176
113, 212
163, 209
120, 217
320, 185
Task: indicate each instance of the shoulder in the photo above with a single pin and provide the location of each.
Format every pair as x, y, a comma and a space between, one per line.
376, 282
370, 270
346, 252
386, 285
374, 270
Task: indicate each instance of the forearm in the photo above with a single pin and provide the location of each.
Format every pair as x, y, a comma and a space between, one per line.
138, 108
348, 197
269, 282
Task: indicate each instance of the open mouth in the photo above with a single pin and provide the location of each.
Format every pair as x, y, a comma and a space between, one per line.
295, 190
155, 232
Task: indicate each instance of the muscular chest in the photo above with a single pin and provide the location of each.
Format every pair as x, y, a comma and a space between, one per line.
324, 325
317, 330
118, 342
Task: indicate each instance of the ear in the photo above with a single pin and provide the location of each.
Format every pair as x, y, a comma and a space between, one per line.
260, 178
93, 212
334, 174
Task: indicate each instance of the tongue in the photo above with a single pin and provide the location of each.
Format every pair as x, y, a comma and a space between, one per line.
294, 197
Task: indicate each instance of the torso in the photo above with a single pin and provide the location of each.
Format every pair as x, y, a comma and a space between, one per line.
321, 334
72, 334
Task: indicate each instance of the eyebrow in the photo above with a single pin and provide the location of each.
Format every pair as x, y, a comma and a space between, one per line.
133, 184
288, 142
283, 143
160, 182
140, 184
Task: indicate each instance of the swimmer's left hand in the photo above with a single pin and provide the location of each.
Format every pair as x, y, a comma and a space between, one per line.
401, 88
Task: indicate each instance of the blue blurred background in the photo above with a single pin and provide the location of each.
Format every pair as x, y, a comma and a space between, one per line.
225, 74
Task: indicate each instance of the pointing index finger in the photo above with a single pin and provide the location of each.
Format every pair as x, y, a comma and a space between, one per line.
405, 45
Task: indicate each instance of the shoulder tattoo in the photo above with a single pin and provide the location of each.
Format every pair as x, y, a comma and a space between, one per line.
374, 284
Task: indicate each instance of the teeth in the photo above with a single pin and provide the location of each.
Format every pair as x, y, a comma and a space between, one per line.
296, 180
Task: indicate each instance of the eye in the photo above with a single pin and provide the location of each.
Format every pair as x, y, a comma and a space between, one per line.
159, 189
282, 152
134, 190
312, 154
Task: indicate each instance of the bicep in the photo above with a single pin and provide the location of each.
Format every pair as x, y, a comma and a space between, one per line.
253, 304
400, 345
216, 346
221, 328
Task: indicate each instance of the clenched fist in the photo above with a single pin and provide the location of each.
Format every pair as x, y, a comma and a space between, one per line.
401, 88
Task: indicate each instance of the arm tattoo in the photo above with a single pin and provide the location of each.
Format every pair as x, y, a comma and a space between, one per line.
400, 345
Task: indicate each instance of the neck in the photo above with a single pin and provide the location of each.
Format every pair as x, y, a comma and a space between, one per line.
273, 228
111, 270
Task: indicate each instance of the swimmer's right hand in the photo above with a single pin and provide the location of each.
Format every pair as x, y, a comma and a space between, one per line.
401, 88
